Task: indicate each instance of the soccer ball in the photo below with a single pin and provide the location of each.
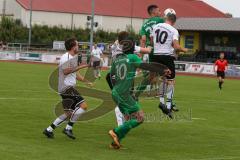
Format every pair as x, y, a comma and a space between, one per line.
169, 11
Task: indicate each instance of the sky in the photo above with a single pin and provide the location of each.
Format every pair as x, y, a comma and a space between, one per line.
226, 6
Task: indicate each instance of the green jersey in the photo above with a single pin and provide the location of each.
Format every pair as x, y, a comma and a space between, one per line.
124, 68
148, 26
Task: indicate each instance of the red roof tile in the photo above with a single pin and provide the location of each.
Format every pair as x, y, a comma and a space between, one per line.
124, 8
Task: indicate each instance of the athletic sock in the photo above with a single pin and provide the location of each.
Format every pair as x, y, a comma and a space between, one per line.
51, 128
162, 100
162, 91
169, 103
57, 122
119, 116
69, 126
220, 84
170, 92
75, 115
122, 130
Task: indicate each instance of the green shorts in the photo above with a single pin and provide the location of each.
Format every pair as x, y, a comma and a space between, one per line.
125, 102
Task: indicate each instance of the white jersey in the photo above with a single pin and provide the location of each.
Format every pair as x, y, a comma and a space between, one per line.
65, 81
163, 36
96, 53
117, 49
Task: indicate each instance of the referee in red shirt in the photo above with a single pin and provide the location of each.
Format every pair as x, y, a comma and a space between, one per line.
220, 66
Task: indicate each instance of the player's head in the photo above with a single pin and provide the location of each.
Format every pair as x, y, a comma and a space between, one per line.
153, 10
171, 18
127, 42
122, 36
71, 45
222, 55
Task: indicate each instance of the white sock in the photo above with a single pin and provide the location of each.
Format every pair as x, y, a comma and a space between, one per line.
50, 129
162, 100
68, 127
60, 119
76, 114
170, 92
57, 122
119, 116
162, 91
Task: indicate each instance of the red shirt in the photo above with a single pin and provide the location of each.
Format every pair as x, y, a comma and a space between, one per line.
221, 64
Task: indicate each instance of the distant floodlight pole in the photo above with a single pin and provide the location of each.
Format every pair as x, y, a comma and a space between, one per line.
4, 9
30, 25
131, 14
92, 25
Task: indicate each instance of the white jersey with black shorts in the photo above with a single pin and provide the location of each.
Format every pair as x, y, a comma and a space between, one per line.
163, 35
96, 57
67, 83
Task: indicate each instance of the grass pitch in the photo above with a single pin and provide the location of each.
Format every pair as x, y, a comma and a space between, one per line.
206, 128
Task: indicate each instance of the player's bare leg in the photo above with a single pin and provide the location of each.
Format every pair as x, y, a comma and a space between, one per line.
220, 82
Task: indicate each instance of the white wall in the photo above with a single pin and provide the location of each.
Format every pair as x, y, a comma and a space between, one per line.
107, 23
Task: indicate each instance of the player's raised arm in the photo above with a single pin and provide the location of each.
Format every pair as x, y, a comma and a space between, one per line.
70, 70
81, 78
143, 50
143, 41
177, 46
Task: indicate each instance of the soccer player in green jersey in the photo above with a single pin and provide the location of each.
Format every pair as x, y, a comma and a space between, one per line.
124, 68
145, 41
155, 18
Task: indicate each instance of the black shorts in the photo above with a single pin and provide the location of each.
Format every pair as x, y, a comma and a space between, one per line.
221, 74
71, 99
167, 61
96, 64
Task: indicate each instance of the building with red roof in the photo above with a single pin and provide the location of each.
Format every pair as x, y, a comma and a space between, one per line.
123, 8
110, 14
203, 28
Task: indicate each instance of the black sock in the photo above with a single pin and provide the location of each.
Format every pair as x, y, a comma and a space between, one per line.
70, 123
220, 84
53, 126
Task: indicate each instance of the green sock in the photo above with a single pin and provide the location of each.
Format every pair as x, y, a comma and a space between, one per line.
122, 130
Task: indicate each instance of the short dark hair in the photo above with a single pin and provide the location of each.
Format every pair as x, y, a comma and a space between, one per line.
151, 8
127, 42
171, 17
70, 43
122, 36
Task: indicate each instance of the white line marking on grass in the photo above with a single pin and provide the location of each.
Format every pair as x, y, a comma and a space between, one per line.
33, 99
210, 101
30, 91
198, 100
204, 119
